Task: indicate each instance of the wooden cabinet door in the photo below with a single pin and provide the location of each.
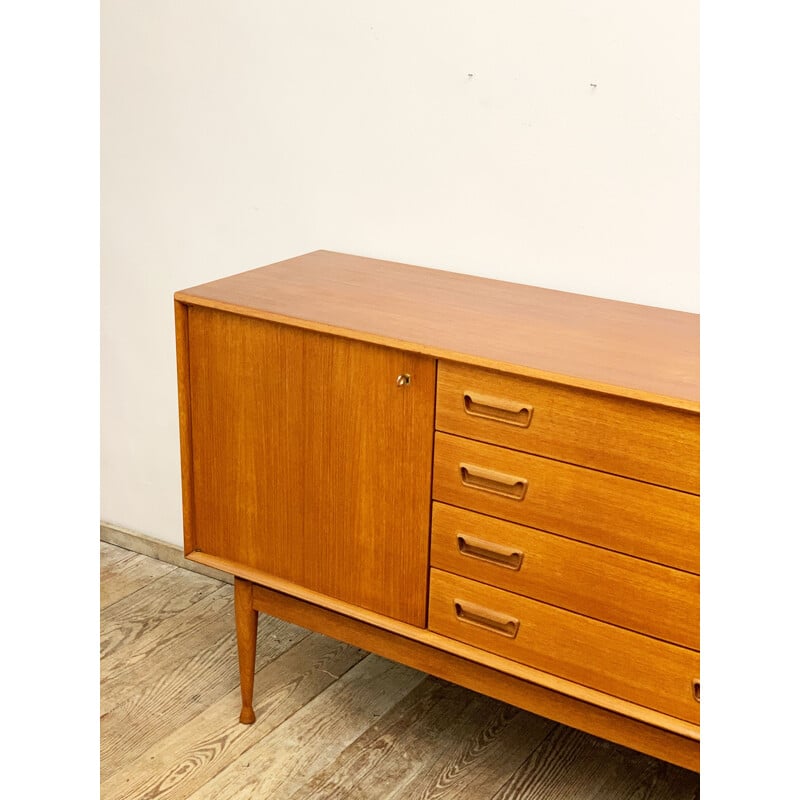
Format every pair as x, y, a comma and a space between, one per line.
310, 462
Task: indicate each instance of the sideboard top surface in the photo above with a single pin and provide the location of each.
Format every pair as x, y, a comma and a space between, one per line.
626, 349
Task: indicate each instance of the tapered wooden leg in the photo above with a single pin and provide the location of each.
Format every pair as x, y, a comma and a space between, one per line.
246, 629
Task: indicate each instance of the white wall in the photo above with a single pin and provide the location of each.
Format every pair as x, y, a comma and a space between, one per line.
463, 134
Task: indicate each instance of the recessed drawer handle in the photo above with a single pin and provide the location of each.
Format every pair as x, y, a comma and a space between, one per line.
486, 618
696, 689
490, 480
498, 409
489, 551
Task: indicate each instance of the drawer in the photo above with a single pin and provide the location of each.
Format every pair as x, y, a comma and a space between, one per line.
625, 437
638, 519
628, 592
619, 662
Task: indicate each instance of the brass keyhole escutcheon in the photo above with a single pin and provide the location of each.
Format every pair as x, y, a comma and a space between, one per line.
404, 379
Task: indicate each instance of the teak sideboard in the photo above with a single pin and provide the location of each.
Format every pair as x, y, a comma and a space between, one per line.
493, 483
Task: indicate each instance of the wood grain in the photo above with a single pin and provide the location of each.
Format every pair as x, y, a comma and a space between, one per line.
111, 556
440, 742
185, 421
622, 663
567, 765
192, 751
474, 752
287, 757
570, 765
629, 592
124, 625
628, 349
612, 434
125, 576
127, 728
634, 776
177, 635
246, 632
304, 445
143, 661
620, 514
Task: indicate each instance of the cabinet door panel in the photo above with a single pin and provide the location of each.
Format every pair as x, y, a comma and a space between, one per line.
311, 463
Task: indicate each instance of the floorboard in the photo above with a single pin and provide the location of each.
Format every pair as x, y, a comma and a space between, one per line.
313, 737
151, 613
124, 576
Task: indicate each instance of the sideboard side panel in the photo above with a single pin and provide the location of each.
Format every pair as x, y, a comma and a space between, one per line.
185, 423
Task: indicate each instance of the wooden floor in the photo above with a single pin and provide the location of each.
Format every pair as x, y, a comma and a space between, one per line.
332, 721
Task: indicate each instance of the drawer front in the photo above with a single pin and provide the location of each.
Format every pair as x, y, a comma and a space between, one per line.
645, 597
610, 659
626, 437
638, 519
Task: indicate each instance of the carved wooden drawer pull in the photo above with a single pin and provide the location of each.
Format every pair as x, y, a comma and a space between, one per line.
489, 552
489, 480
486, 618
498, 409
